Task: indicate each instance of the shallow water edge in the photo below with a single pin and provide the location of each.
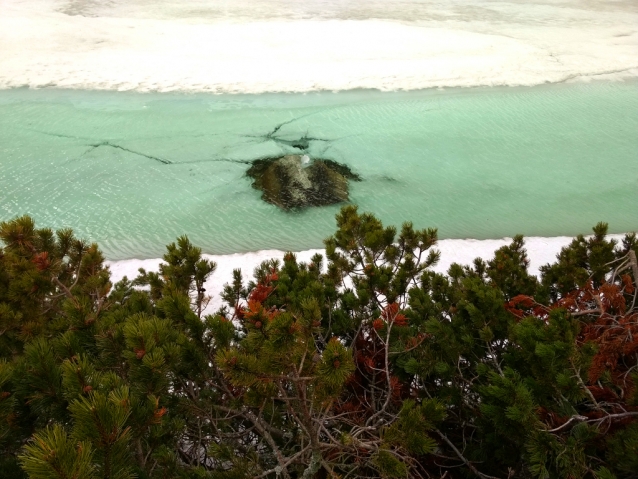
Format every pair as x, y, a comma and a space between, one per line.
133, 171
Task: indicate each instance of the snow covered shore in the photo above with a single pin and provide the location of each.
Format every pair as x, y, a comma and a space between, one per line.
540, 252
255, 46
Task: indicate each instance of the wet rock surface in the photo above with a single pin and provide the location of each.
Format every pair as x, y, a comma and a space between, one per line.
296, 181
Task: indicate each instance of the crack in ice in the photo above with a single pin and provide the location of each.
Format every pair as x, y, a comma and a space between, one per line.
119, 147
302, 143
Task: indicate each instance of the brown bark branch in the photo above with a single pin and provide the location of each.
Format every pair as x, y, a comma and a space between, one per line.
463, 458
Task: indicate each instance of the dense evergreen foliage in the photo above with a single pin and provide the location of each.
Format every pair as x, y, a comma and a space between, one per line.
362, 364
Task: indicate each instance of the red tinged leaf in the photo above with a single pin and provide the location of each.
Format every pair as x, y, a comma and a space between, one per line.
522, 301
400, 320
160, 412
392, 315
628, 284
41, 260
260, 293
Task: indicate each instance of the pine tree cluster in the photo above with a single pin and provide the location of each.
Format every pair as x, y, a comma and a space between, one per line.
362, 364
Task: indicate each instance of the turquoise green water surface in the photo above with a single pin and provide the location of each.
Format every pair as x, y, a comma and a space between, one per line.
134, 170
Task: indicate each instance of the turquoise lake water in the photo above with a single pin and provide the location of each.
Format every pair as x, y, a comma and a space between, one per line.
134, 170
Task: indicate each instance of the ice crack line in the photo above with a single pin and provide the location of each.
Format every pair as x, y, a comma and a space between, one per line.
163, 161
608, 72
119, 147
302, 143
169, 162
101, 143
214, 160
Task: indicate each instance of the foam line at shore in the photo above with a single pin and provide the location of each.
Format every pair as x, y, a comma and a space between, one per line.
321, 45
540, 251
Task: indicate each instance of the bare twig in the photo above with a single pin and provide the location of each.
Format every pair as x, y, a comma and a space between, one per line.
571, 420
462, 457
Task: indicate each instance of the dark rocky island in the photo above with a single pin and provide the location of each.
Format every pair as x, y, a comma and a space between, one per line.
296, 181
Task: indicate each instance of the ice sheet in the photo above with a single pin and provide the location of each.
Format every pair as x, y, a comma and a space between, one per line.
303, 45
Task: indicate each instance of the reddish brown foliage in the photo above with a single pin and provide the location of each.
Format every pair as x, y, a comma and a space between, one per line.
159, 413
523, 305
628, 285
255, 312
617, 340
609, 321
263, 289
41, 260
612, 329
391, 315
606, 323
371, 373
257, 315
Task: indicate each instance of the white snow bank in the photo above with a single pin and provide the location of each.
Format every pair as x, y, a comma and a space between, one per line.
540, 252
260, 46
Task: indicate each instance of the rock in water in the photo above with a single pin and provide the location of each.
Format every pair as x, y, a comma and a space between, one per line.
289, 182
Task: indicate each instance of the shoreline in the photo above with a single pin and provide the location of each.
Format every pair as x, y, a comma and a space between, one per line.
540, 251
629, 75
